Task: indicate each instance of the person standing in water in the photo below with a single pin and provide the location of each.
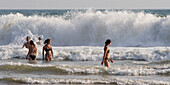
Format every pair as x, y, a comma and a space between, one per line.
106, 57
40, 41
27, 43
32, 51
48, 49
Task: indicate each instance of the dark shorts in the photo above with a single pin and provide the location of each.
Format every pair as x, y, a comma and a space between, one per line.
32, 57
107, 59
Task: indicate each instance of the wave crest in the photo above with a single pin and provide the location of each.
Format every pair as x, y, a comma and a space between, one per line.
91, 27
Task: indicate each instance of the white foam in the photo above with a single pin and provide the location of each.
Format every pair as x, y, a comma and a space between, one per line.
89, 53
91, 27
90, 81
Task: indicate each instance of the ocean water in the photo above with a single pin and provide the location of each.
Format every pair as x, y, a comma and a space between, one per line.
140, 46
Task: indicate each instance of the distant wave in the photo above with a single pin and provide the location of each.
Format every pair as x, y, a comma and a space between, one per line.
89, 28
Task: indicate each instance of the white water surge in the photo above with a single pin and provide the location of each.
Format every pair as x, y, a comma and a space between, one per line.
75, 28
91, 53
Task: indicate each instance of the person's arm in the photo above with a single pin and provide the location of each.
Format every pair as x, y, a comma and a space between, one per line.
43, 53
52, 51
28, 53
105, 50
23, 45
35, 52
111, 60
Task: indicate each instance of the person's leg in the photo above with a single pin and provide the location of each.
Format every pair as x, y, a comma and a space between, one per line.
46, 58
34, 58
106, 63
30, 58
50, 58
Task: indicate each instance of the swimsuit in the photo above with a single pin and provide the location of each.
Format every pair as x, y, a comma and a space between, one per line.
108, 51
48, 56
32, 57
107, 58
48, 49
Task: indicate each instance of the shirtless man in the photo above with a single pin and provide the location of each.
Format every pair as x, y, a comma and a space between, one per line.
27, 44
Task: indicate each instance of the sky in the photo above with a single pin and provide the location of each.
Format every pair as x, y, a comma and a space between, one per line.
84, 4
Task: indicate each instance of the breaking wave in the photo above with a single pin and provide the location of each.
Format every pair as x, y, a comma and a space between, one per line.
89, 28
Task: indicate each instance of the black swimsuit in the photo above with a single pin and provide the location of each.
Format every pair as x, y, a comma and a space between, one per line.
108, 51
48, 49
32, 57
107, 58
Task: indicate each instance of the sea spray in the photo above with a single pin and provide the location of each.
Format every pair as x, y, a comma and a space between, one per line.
90, 28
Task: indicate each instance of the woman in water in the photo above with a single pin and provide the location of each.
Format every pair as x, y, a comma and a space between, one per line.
48, 49
32, 51
106, 57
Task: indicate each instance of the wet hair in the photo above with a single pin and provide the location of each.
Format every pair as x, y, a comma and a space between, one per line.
47, 41
32, 42
39, 38
108, 41
28, 37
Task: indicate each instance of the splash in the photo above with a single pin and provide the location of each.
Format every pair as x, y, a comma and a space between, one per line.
89, 28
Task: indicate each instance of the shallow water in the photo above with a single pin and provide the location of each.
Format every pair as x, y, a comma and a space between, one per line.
21, 71
139, 46
81, 65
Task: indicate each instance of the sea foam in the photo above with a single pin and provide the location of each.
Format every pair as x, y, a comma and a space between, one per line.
92, 53
89, 28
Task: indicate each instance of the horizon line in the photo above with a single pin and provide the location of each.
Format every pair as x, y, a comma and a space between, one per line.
77, 8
